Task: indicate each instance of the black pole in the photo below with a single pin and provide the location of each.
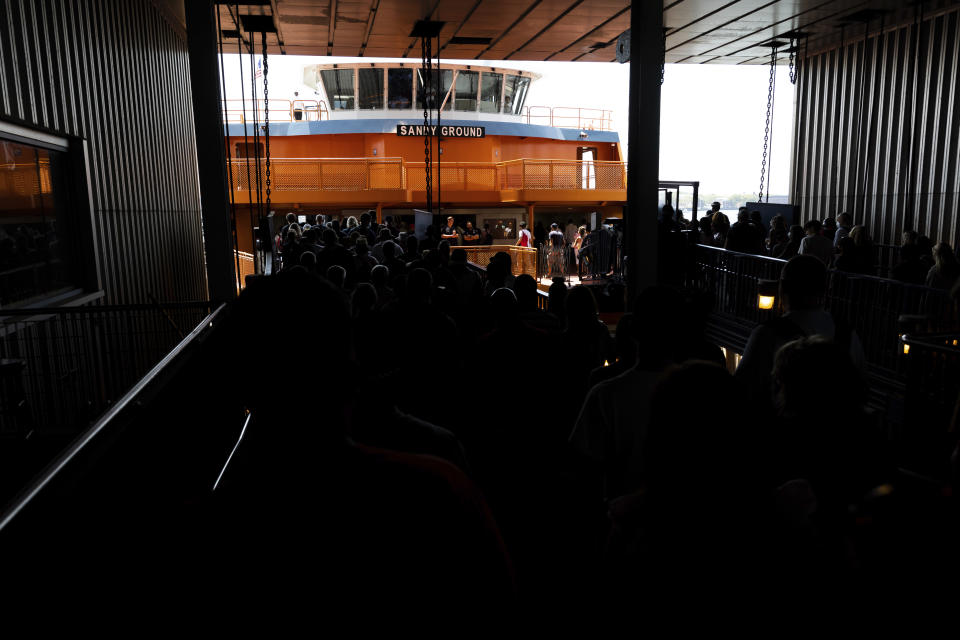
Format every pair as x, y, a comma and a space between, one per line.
696, 201
211, 158
643, 161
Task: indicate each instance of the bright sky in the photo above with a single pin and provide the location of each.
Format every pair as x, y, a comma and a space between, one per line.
712, 117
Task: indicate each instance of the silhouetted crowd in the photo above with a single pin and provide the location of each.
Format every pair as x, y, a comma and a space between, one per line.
435, 435
836, 242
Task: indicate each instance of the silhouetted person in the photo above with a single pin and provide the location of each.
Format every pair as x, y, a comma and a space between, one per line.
611, 427
815, 244
802, 288
499, 272
291, 250
744, 236
720, 226
397, 266
386, 529
788, 249
910, 268
699, 518
333, 253
525, 288
308, 260
625, 341
706, 233
863, 250
471, 236
943, 274
844, 227
829, 442
337, 275
829, 228
380, 279
557, 299
587, 341
469, 288
778, 232
846, 259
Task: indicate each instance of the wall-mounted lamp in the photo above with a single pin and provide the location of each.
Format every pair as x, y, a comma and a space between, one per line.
767, 294
904, 345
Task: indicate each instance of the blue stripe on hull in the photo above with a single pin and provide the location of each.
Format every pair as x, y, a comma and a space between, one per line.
389, 126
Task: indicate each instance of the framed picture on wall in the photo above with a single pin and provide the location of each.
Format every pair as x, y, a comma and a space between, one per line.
502, 228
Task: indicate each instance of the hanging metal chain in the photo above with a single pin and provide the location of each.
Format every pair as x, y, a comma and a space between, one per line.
794, 66
427, 86
766, 131
266, 112
438, 100
663, 56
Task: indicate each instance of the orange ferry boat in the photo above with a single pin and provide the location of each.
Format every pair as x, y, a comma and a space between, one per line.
360, 146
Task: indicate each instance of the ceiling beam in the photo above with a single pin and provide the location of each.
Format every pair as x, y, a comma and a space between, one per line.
462, 22
374, 6
331, 26
560, 17
592, 31
523, 15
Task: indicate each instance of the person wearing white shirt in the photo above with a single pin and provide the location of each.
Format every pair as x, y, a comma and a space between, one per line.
816, 245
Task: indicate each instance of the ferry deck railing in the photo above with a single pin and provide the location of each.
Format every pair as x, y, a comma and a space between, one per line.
281, 110
523, 259
239, 111
569, 117
373, 174
323, 174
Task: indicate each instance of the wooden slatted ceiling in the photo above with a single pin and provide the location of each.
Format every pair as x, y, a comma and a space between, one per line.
698, 31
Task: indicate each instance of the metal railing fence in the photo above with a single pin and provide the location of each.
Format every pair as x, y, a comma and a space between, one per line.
371, 174
871, 305
61, 367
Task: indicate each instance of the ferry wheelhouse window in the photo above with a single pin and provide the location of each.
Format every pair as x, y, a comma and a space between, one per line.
399, 88
370, 82
37, 256
446, 78
490, 86
339, 86
515, 93
467, 84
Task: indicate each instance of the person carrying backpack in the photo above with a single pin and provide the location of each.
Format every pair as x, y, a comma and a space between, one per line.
802, 289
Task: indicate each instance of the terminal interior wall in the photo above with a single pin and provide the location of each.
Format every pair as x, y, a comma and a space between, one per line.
877, 130
116, 73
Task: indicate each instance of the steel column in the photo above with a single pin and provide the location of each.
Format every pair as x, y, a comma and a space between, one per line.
211, 158
643, 161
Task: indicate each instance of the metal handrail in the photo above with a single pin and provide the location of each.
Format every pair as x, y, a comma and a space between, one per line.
521, 173
282, 112
105, 421
589, 118
849, 274
871, 304
100, 309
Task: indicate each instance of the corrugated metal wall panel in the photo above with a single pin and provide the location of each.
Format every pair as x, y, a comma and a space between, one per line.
877, 131
116, 73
